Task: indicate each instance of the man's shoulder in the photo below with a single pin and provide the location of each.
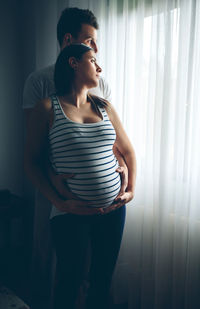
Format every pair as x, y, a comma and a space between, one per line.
38, 86
102, 81
103, 89
44, 73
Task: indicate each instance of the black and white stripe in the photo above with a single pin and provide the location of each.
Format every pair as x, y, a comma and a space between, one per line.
86, 151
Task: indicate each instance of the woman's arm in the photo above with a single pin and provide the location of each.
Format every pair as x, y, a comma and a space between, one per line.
34, 161
122, 169
126, 149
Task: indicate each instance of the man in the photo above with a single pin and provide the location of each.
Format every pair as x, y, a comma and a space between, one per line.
74, 26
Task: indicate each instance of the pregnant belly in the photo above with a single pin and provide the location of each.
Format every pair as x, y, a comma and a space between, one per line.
100, 187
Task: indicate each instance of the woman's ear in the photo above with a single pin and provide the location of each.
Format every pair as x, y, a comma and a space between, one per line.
73, 63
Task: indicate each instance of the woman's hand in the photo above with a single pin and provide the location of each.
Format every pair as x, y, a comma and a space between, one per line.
121, 200
77, 207
124, 179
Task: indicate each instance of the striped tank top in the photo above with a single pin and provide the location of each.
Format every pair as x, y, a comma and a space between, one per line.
85, 149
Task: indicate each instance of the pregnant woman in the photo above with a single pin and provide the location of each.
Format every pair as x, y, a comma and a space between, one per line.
78, 130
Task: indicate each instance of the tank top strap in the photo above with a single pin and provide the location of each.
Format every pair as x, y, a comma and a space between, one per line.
55, 104
58, 112
103, 113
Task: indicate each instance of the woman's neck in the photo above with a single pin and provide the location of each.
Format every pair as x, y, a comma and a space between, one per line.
77, 97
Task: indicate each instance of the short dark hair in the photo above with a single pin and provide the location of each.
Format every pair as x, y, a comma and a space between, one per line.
71, 20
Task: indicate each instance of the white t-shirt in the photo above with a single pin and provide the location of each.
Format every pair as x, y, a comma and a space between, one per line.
40, 85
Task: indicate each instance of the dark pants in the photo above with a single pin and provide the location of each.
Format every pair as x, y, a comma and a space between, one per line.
71, 235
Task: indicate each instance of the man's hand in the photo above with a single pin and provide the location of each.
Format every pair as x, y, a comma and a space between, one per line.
59, 183
124, 179
77, 207
121, 200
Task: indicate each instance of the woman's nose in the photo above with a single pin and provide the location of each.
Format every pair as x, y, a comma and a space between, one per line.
99, 70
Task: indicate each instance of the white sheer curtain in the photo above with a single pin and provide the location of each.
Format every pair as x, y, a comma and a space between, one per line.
150, 54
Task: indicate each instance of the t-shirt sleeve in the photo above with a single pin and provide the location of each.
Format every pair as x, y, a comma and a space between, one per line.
32, 92
106, 90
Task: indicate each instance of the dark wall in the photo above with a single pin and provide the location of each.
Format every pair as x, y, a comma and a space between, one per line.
16, 60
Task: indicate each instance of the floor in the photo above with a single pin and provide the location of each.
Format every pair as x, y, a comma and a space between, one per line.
15, 285
9, 300
19, 297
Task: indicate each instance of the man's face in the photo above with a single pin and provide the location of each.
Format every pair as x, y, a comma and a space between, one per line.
87, 35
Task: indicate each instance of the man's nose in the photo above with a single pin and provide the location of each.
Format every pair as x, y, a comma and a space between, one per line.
95, 47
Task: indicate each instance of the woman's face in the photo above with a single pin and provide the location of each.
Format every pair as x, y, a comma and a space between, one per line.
88, 71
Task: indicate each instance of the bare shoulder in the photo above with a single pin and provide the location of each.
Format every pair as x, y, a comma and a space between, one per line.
44, 105
110, 110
